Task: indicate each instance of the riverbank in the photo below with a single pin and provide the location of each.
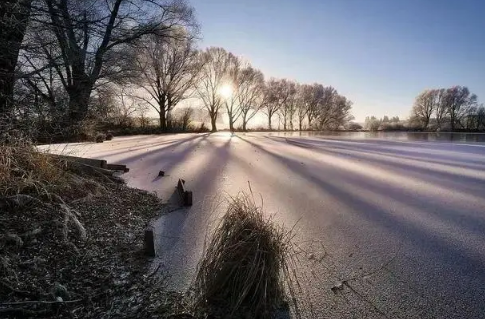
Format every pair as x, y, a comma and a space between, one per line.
71, 241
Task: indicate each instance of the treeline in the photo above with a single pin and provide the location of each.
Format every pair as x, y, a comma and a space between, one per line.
69, 67
452, 109
385, 123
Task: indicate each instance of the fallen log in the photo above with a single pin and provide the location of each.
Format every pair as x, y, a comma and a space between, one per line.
88, 161
118, 167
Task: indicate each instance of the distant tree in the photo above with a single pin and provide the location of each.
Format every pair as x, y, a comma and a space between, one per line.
314, 101
304, 97
372, 123
288, 101
278, 93
326, 108
440, 108
424, 106
186, 117
385, 119
352, 126
233, 78
252, 94
167, 70
127, 106
216, 62
481, 118
457, 101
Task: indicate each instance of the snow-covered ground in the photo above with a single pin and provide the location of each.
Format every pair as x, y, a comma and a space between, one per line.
402, 222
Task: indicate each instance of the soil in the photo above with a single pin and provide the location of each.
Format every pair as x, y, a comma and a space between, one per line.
94, 268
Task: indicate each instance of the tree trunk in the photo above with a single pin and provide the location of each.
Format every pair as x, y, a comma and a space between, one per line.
14, 16
244, 122
300, 124
162, 119
213, 122
162, 113
169, 114
231, 126
269, 121
79, 95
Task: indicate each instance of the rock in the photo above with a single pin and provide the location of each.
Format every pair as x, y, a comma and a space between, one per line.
338, 286
60, 291
161, 173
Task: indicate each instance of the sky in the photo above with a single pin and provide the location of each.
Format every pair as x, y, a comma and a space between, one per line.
378, 53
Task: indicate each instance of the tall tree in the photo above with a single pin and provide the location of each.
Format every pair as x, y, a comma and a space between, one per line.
304, 96
424, 107
314, 98
14, 16
215, 62
252, 94
92, 36
457, 99
326, 111
232, 90
167, 71
278, 93
288, 107
440, 108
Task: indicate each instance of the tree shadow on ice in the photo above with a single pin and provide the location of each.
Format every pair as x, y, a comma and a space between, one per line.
472, 185
464, 219
185, 229
465, 263
168, 156
401, 149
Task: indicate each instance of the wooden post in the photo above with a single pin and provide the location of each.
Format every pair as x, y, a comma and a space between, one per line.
184, 193
149, 242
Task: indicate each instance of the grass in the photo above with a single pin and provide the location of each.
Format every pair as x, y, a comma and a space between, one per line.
28, 172
65, 225
246, 270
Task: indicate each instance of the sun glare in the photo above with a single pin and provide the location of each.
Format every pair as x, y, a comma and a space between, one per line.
226, 91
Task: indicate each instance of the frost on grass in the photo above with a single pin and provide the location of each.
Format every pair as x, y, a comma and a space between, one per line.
69, 240
247, 268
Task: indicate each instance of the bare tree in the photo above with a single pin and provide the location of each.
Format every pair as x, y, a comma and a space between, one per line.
14, 16
168, 70
326, 107
87, 40
186, 117
457, 99
440, 108
424, 106
252, 94
287, 109
313, 101
231, 96
278, 93
215, 62
127, 106
304, 98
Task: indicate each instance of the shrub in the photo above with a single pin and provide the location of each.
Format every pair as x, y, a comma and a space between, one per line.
245, 268
109, 136
202, 128
100, 138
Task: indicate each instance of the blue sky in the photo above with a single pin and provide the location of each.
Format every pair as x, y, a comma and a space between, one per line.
378, 53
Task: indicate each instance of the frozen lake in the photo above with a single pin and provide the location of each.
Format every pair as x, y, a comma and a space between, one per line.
399, 216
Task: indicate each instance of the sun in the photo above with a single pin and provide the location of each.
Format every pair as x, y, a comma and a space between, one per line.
226, 91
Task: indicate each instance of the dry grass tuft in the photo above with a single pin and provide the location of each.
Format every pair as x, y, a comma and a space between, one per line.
26, 172
246, 268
